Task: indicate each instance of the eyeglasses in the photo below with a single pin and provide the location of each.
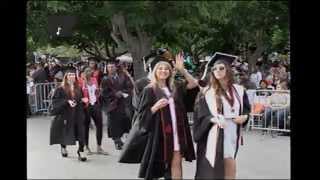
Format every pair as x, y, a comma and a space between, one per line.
216, 68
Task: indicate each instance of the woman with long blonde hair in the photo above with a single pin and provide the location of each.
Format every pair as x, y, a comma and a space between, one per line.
68, 124
162, 114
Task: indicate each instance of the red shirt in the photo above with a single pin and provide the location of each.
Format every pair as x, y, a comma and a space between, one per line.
85, 91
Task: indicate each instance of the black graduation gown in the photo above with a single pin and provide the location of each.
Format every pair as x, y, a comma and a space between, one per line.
139, 85
118, 121
153, 164
67, 126
201, 127
189, 98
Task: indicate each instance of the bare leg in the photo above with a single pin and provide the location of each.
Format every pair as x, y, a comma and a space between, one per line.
229, 168
176, 166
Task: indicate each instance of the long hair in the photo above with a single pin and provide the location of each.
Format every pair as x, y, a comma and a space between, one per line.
169, 80
87, 74
214, 82
65, 85
216, 85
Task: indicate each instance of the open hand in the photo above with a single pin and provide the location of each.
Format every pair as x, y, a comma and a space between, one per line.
119, 94
160, 104
179, 65
72, 103
240, 119
85, 100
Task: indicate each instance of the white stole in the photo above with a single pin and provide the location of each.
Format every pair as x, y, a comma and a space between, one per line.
213, 132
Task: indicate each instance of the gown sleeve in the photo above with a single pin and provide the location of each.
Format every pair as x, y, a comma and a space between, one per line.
137, 92
246, 107
128, 85
145, 116
59, 102
201, 118
107, 93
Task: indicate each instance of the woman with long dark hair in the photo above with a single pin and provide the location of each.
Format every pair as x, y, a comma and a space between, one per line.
68, 124
90, 90
221, 109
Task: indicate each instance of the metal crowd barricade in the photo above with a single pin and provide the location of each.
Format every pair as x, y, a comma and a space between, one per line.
42, 96
270, 118
31, 100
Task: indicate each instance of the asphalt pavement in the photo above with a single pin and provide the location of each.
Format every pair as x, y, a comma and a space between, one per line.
261, 157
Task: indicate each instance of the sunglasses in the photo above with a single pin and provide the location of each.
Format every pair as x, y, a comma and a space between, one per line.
161, 51
218, 68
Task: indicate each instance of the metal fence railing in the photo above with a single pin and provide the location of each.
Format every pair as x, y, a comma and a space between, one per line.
40, 97
270, 110
267, 112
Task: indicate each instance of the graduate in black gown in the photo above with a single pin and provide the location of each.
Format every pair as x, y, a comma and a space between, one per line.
221, 110
162, 114
68, 124
116, 87
149, 61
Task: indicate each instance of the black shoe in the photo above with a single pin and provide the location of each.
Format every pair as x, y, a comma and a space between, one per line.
121, 143
118, 145
81, 157
64, 152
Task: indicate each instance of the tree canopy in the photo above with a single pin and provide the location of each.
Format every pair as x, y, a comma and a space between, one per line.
108, 29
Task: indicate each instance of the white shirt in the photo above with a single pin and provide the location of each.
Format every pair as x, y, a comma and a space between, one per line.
256, 78
176, 146
230, 130
227, 109
92, 95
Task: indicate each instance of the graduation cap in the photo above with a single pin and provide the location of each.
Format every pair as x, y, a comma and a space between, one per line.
112, 61
70, 69
161, 54
219, 56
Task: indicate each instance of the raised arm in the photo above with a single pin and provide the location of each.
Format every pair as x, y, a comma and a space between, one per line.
191, 81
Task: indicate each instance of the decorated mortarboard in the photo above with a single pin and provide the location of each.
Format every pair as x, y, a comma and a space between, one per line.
148, 59
161, 54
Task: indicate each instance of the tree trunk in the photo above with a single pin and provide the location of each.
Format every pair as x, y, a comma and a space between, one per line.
138, 46
258, 51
